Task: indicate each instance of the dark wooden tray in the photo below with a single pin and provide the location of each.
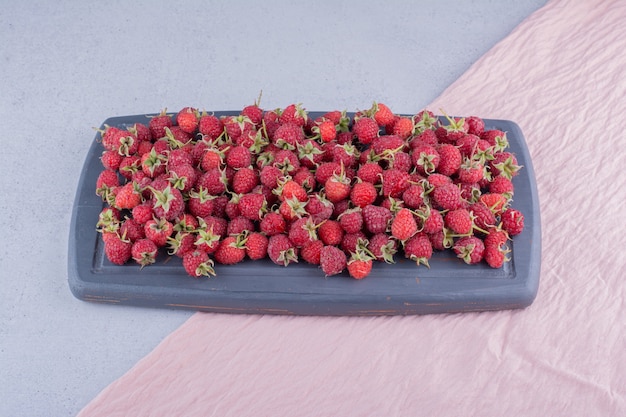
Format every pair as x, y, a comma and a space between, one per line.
301, 289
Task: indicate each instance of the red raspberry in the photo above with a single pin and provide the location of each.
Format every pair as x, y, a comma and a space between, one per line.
187, 119
144, 252
360, 265
459, 221
450, 159
117, 249
256, 246
331, 232
512, 221
281, 250
311, 251
351, 241
470, 249
197, 264
425, 158
244, 180
231, 250
382, 114
403, 127
332, 260
239, 157
383, 247
158, 230
495, 256
351, 220
403, 225
363, 194
394, 182
413, 196
501, 185
376, 218
447, 197
419, 249
365, 129
370, 172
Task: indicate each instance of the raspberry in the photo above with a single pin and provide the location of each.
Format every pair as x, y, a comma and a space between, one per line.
447, 197
332, 260
470, 249
512, 221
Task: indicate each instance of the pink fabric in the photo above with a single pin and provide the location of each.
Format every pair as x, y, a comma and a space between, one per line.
561, 75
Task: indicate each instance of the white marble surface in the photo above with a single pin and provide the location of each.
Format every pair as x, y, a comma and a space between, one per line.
66, 66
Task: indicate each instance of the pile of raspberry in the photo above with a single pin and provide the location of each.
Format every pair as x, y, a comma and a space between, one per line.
340, 192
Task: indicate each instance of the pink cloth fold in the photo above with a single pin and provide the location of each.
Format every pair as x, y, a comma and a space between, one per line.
561, 75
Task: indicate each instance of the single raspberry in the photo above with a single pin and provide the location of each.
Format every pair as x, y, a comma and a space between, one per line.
382, 114
394, 182
144, 252
326, 130
447, 197
181, 243
471, 171
182, 176
311, 251
332, 260
363, 193
450, 159
198, 264
470, 249
239, 225
131, 229
200, 202
414, 196
475, 125
403, 225
142, 213
256, 246
128, 196
495, 256
351, 220
467, 145
187, 119
293, 113
111, 160
370, 172
425, 158
483, 217
158, 123
330, 232
281, 250
158, 230
505, 164
365, 129
351, 241
386, 144
118, 250
231, 250
501, 185
319, 207
459, 221
376, 218
360, 264
418, 249
302, 230
383, 247
512, 221
288, 136
403, 127
238, 157
244, 180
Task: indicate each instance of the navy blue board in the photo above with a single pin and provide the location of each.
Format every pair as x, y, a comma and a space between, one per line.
261, 287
